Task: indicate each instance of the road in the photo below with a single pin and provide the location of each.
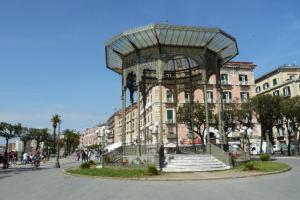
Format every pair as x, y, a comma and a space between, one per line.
49, 183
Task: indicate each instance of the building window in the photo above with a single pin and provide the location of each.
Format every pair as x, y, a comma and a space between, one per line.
243, 79
209, 97
276, 93
226, 96
257, 89
187, 97
266, 86
224, 79
169, 96
287, 91
244, 96
170, 116
274, 81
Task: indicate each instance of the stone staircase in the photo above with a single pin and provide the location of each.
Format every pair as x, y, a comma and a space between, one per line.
193, 163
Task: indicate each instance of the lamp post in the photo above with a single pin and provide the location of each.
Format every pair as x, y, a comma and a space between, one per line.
156, 134
104, 134
150, 130
98, 142
57, 165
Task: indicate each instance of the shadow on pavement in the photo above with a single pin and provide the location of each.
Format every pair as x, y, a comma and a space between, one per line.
5, 173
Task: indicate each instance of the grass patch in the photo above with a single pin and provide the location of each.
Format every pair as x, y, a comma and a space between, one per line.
266, 166
110, 172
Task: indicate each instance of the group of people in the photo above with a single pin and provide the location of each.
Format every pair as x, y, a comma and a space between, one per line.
86, 155
26, 158
12, 158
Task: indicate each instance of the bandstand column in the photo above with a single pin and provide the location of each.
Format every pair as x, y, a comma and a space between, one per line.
206, 110
139, 108
160, 77
123, 118
220, 107
176, 105
131, 117
191, 106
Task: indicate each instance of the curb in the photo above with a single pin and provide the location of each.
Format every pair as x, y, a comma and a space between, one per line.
178, 179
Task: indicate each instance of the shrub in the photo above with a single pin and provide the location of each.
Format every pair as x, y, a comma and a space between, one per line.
85, 165
151, 171
264, 157
92, 162
249, 166
106, 159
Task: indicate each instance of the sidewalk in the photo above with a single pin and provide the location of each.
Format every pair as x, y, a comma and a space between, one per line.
64, 163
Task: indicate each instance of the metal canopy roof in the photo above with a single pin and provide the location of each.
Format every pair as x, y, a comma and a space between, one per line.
133, 40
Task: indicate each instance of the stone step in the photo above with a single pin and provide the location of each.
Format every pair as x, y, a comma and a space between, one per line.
193, 162
203, 169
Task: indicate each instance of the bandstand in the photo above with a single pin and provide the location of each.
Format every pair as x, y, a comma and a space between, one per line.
180, 58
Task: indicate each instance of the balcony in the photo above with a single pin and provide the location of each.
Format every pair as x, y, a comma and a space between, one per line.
245, 83
171, 135
210, 100
169, 100
170, 121
225, 82
226, 100
244, 100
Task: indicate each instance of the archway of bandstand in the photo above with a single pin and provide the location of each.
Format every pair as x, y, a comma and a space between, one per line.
178, 73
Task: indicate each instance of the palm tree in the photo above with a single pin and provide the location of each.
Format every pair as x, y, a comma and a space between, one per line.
25, 136
55, 121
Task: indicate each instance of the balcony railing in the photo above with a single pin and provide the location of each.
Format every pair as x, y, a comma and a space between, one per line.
171, 136
243, 82
169, 100
210, 100
225, 82
226, 100
170, 121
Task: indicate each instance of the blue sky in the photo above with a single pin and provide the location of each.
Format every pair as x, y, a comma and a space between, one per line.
52, 52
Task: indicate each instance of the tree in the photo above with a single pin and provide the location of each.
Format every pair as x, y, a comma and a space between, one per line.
290, 109
25, 136
236, 116
55, 121
183, 116
39, 135
8, 131
268, 110
71, 139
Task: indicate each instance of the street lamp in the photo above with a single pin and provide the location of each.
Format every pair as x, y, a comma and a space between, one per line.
155, 130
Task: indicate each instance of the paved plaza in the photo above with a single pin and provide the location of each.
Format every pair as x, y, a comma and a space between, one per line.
49, 183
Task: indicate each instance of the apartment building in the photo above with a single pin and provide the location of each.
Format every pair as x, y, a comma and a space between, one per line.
283, 81
95, 135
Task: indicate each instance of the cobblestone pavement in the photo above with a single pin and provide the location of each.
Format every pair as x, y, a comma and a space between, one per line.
50, 183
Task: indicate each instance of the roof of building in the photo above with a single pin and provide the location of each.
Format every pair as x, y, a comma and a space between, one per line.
128, 42
281, 68
237, 64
